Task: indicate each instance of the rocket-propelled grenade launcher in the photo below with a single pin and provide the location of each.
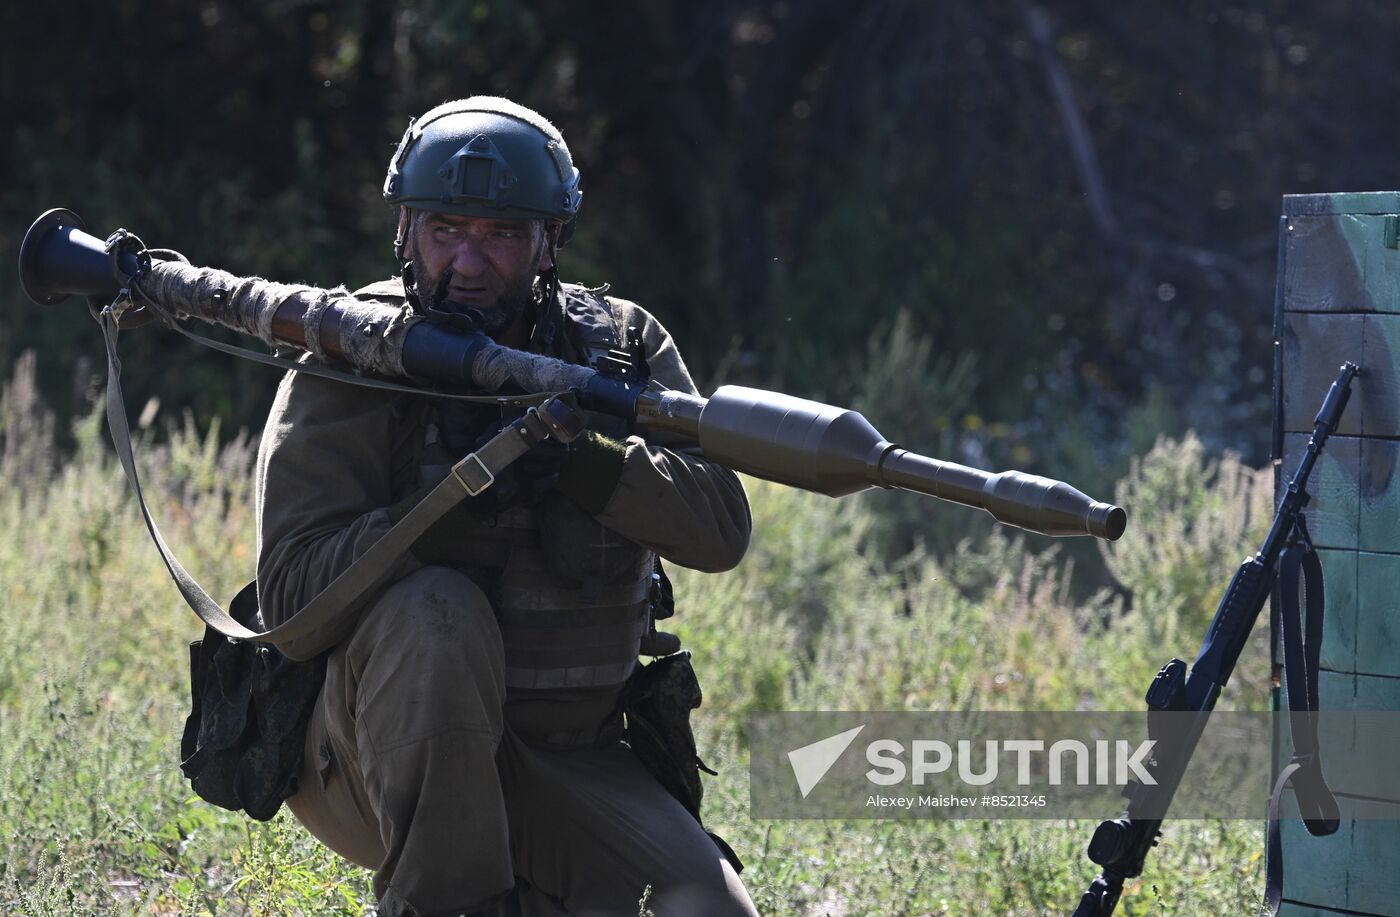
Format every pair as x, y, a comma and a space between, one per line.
770, 435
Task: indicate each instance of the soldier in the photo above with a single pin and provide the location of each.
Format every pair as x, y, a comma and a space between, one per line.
467, 741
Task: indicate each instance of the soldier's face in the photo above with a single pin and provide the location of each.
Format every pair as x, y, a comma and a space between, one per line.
487, 266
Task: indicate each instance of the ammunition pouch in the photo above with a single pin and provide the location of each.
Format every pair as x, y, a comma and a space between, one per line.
243, 740
656, 705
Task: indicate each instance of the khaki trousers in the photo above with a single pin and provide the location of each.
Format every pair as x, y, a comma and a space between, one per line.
410, 770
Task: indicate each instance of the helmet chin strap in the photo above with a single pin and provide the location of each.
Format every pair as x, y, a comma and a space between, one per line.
410, 287
552, 285
406, 271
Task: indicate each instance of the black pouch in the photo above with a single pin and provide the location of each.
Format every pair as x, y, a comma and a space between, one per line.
657, 704
243, 740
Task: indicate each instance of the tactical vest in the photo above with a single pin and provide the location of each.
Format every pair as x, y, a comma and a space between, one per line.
572, 597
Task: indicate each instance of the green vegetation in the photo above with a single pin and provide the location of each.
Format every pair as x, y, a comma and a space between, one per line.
95, 819
1089, 219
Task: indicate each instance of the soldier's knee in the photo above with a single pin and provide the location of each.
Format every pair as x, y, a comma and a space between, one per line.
435, 617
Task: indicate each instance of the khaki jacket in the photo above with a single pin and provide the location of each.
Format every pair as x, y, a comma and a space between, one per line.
334, 456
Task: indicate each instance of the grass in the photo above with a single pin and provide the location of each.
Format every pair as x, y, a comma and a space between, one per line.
95, 818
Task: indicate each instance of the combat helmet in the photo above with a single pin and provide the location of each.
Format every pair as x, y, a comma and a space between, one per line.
485, 157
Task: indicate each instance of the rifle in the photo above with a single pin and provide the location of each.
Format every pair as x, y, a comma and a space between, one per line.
1120, 846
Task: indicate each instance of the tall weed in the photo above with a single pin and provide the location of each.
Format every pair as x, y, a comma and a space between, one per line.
94, 818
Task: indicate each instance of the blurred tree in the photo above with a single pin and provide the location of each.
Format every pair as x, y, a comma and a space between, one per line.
1079, 200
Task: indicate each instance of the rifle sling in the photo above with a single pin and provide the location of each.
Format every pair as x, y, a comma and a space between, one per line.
1299, 566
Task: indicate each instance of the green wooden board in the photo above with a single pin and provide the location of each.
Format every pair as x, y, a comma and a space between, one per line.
1342, 202
1356, 869
1315, 869
1377, 488
1373, 879
1339, 578
1341, 263
1315, 345
1377, 390
1371, 766
1336, 691
1322, 272
1289, 909
1377, 630
1373, 238
1374, 692
1358, 734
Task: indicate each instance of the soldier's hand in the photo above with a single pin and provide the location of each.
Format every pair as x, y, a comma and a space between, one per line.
521, 483
525, 481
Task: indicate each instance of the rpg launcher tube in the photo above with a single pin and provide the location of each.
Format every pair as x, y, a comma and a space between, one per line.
770, 435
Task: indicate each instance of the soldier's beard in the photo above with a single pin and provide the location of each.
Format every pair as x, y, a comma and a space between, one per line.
515, 299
